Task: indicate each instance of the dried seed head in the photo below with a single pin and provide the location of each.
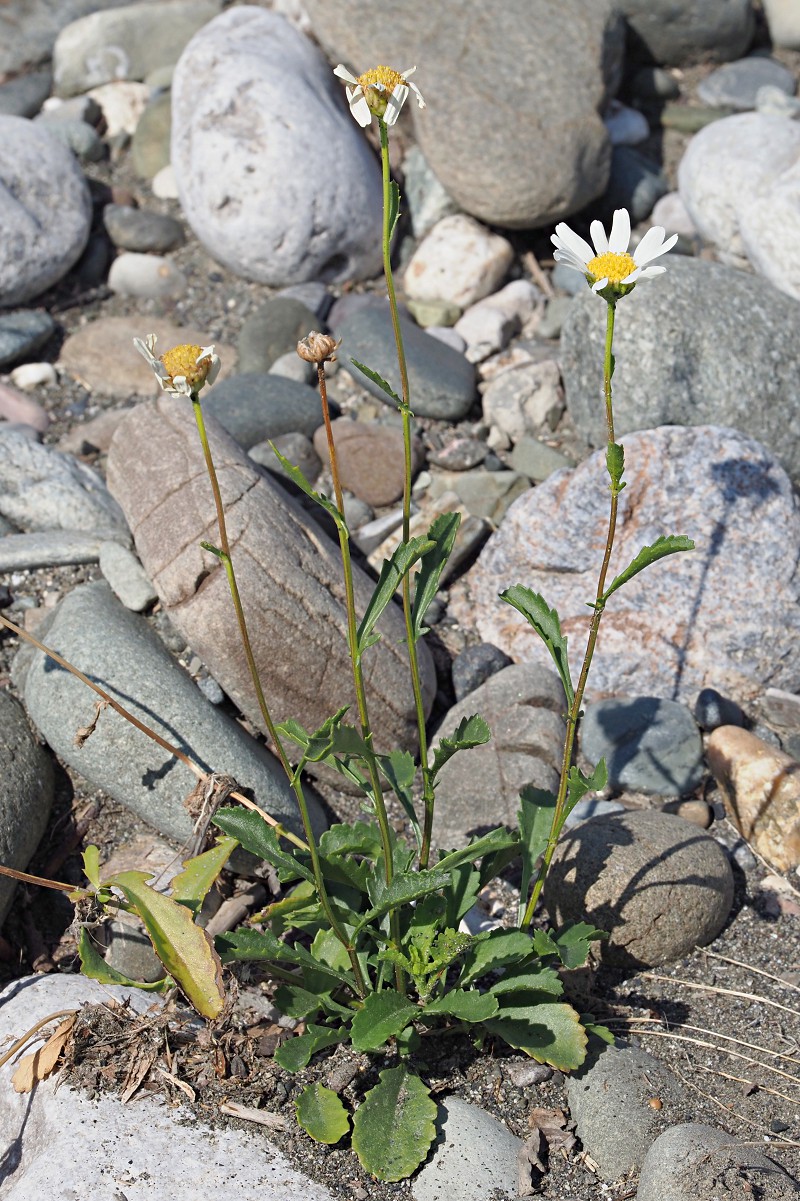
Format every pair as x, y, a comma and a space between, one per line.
318, 348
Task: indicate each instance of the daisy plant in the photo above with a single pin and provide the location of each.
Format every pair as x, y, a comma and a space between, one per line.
612, 272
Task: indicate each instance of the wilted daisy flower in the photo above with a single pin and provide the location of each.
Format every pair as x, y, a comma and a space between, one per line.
610, 269
381, 91
182, 371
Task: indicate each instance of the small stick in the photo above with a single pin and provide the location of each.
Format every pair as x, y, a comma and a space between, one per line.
784, 1143
759, 971
701, 1042
740, 1042
727, 992
532, 263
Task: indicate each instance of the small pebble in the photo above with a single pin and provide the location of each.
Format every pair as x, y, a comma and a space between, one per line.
743, 857
146, 276
475, 665
34, 375
211, 690
523, 1074
698, 812
711, 710
164, 184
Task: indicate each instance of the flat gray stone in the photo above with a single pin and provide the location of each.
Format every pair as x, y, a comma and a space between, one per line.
78, 136
26, 793
478, 789
274, 329
49, 548
22, 334
118, 649
45, 209
127, 577
474, 1157
233, 143
64, 1143
28, 40
257, 406
658, 885
649, 745
693, 1160
141, 230
42, 489
679, 32
25, 95
608, 1098
735, 85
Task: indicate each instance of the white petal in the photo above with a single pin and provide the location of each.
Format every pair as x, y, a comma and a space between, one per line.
649, 272
599, 237
343, 73
620, 234
395, 103
206, 352
599, 284
143, 349
566, 239
410, 71
213, 370
562, 256
632, 278
418, 95
360, 109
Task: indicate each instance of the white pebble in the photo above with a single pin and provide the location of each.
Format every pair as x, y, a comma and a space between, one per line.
31, 375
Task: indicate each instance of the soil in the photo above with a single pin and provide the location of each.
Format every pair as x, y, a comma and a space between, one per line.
725, 1019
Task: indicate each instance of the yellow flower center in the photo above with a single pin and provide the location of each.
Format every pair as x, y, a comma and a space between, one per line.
382, 77
182, 360
611, 266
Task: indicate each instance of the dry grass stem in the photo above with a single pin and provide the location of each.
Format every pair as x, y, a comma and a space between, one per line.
727, 992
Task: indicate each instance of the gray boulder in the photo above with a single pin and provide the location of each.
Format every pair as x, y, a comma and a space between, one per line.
658, 885
679, 32
564, 57
269, 121
649, 745
685, 623
257, 406
28, 39
45, 209
118, 650
704, 344
289, 574
26, 793
474, 1157
694, 1160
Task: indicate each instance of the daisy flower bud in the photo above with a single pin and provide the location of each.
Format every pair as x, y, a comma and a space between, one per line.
318, 348
380, 92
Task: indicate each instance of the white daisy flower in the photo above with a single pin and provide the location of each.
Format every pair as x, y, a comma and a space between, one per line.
609, 265
380, 92
182, 371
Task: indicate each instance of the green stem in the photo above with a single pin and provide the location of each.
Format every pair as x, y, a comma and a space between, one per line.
224, 553
594, 627
405, 411
355, 658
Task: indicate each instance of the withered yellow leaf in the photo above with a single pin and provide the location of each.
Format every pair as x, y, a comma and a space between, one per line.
41, 1062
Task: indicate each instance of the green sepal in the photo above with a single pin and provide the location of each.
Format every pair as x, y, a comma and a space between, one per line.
442, 535
382, 1016
470, 732
377, 379
393, 570
95, 967
400, 1106
545, 621
321, 1114
669, 544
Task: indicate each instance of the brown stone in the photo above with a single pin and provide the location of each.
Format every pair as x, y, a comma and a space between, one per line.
102, 357
761, 786
289, 575
370, 458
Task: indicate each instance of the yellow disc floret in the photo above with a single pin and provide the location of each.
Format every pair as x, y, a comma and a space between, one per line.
384, 78
611, 266
182, 361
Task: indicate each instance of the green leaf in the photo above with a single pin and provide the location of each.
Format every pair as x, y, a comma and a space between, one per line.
462, 894
483, 844
670, 544
399, 769
494, 950
573, 943
470, 732
594, 1029
297, 1002
343, 738
95, 967
91, 865
383, 1015
191, 886
545, 621
321, 1114
533, 977
394, 1126
360, 838
185, 949
297, 1052
442, 534
297, 477
615, 464
394, 207
535, 817
401, 891
262, 946
466, 1005
550, 1032
377, 379
329, 951
391, 576
578, 785
260, 839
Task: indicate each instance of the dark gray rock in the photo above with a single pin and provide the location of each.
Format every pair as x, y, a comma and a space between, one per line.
315, 296
78, 136
441, 381
693, 1160
475, 665
478, 789
257, 406
26, 793
141, 230
117, 648
25, 95
22, 333
657, 884
678, 32
274, 329
536, 459
635, 183
608, 1099
649, 745
131, 952
723, 355
735, 85
711, 710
